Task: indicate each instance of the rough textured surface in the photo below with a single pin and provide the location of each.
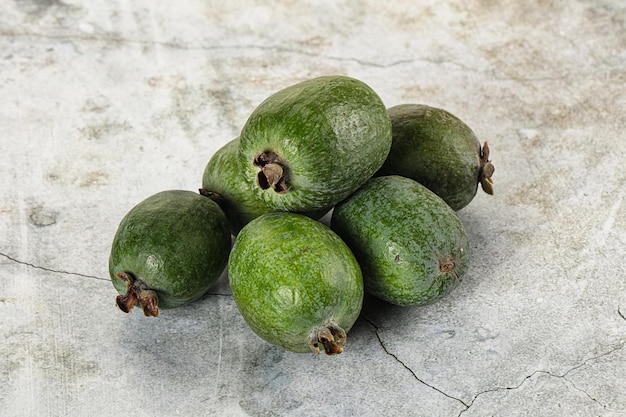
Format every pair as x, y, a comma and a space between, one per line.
412, 247
316, 141
292, 277
107, 102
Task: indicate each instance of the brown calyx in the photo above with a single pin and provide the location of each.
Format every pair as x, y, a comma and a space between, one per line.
210, 194
137, 292
273, 173
486, 170
446, 265
331, 337
217, 198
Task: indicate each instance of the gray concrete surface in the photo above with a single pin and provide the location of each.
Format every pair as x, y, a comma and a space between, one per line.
105, 102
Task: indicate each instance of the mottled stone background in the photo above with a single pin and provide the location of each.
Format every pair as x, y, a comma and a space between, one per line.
103, 103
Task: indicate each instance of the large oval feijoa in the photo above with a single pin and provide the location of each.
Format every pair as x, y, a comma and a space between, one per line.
438, 150
295, 282
412, 247
310, 145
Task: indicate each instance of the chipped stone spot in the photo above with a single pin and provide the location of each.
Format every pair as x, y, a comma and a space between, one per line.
92, 179
96, 105
103, 130
42, 217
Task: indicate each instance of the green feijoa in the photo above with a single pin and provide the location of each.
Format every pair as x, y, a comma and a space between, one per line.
295, 282
438, 150
310, 145
411, 245
168, 250
224, 182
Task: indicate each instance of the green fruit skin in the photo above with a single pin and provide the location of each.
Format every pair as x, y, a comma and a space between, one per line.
436, 149
400, 231
289, 275
236, 196
177, 242
333, 133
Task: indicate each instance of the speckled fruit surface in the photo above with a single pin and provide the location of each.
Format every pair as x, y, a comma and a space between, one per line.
411, 245
438, 150
291, 278
309, 145
175, 243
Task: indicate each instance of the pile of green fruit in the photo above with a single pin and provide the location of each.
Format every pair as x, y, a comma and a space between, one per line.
393, 178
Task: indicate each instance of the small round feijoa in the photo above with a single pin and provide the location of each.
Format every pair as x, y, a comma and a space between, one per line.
223, 182
295, 282
437, 149
412, 247
168, 250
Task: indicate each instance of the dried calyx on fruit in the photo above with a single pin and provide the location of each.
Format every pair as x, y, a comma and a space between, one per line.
168, 250
309, 301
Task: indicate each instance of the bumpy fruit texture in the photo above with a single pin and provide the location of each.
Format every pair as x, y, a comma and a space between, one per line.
438, 150
168, 250
295, 282
411, 245
224, 182
312, 144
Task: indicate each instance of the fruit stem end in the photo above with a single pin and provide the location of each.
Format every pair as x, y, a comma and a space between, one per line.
446, 265
272, 172
137, 292
210, 194
331, 337
486, 170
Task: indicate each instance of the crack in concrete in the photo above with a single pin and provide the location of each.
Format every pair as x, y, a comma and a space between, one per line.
553, 375
173, 44
619, 311
57, 271
60, 271
395, 357
188, 47
511, 388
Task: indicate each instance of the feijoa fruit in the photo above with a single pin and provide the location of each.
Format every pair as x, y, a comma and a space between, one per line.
168, 250
412, 247
295, 282
437, 149
310, 145
224, 182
